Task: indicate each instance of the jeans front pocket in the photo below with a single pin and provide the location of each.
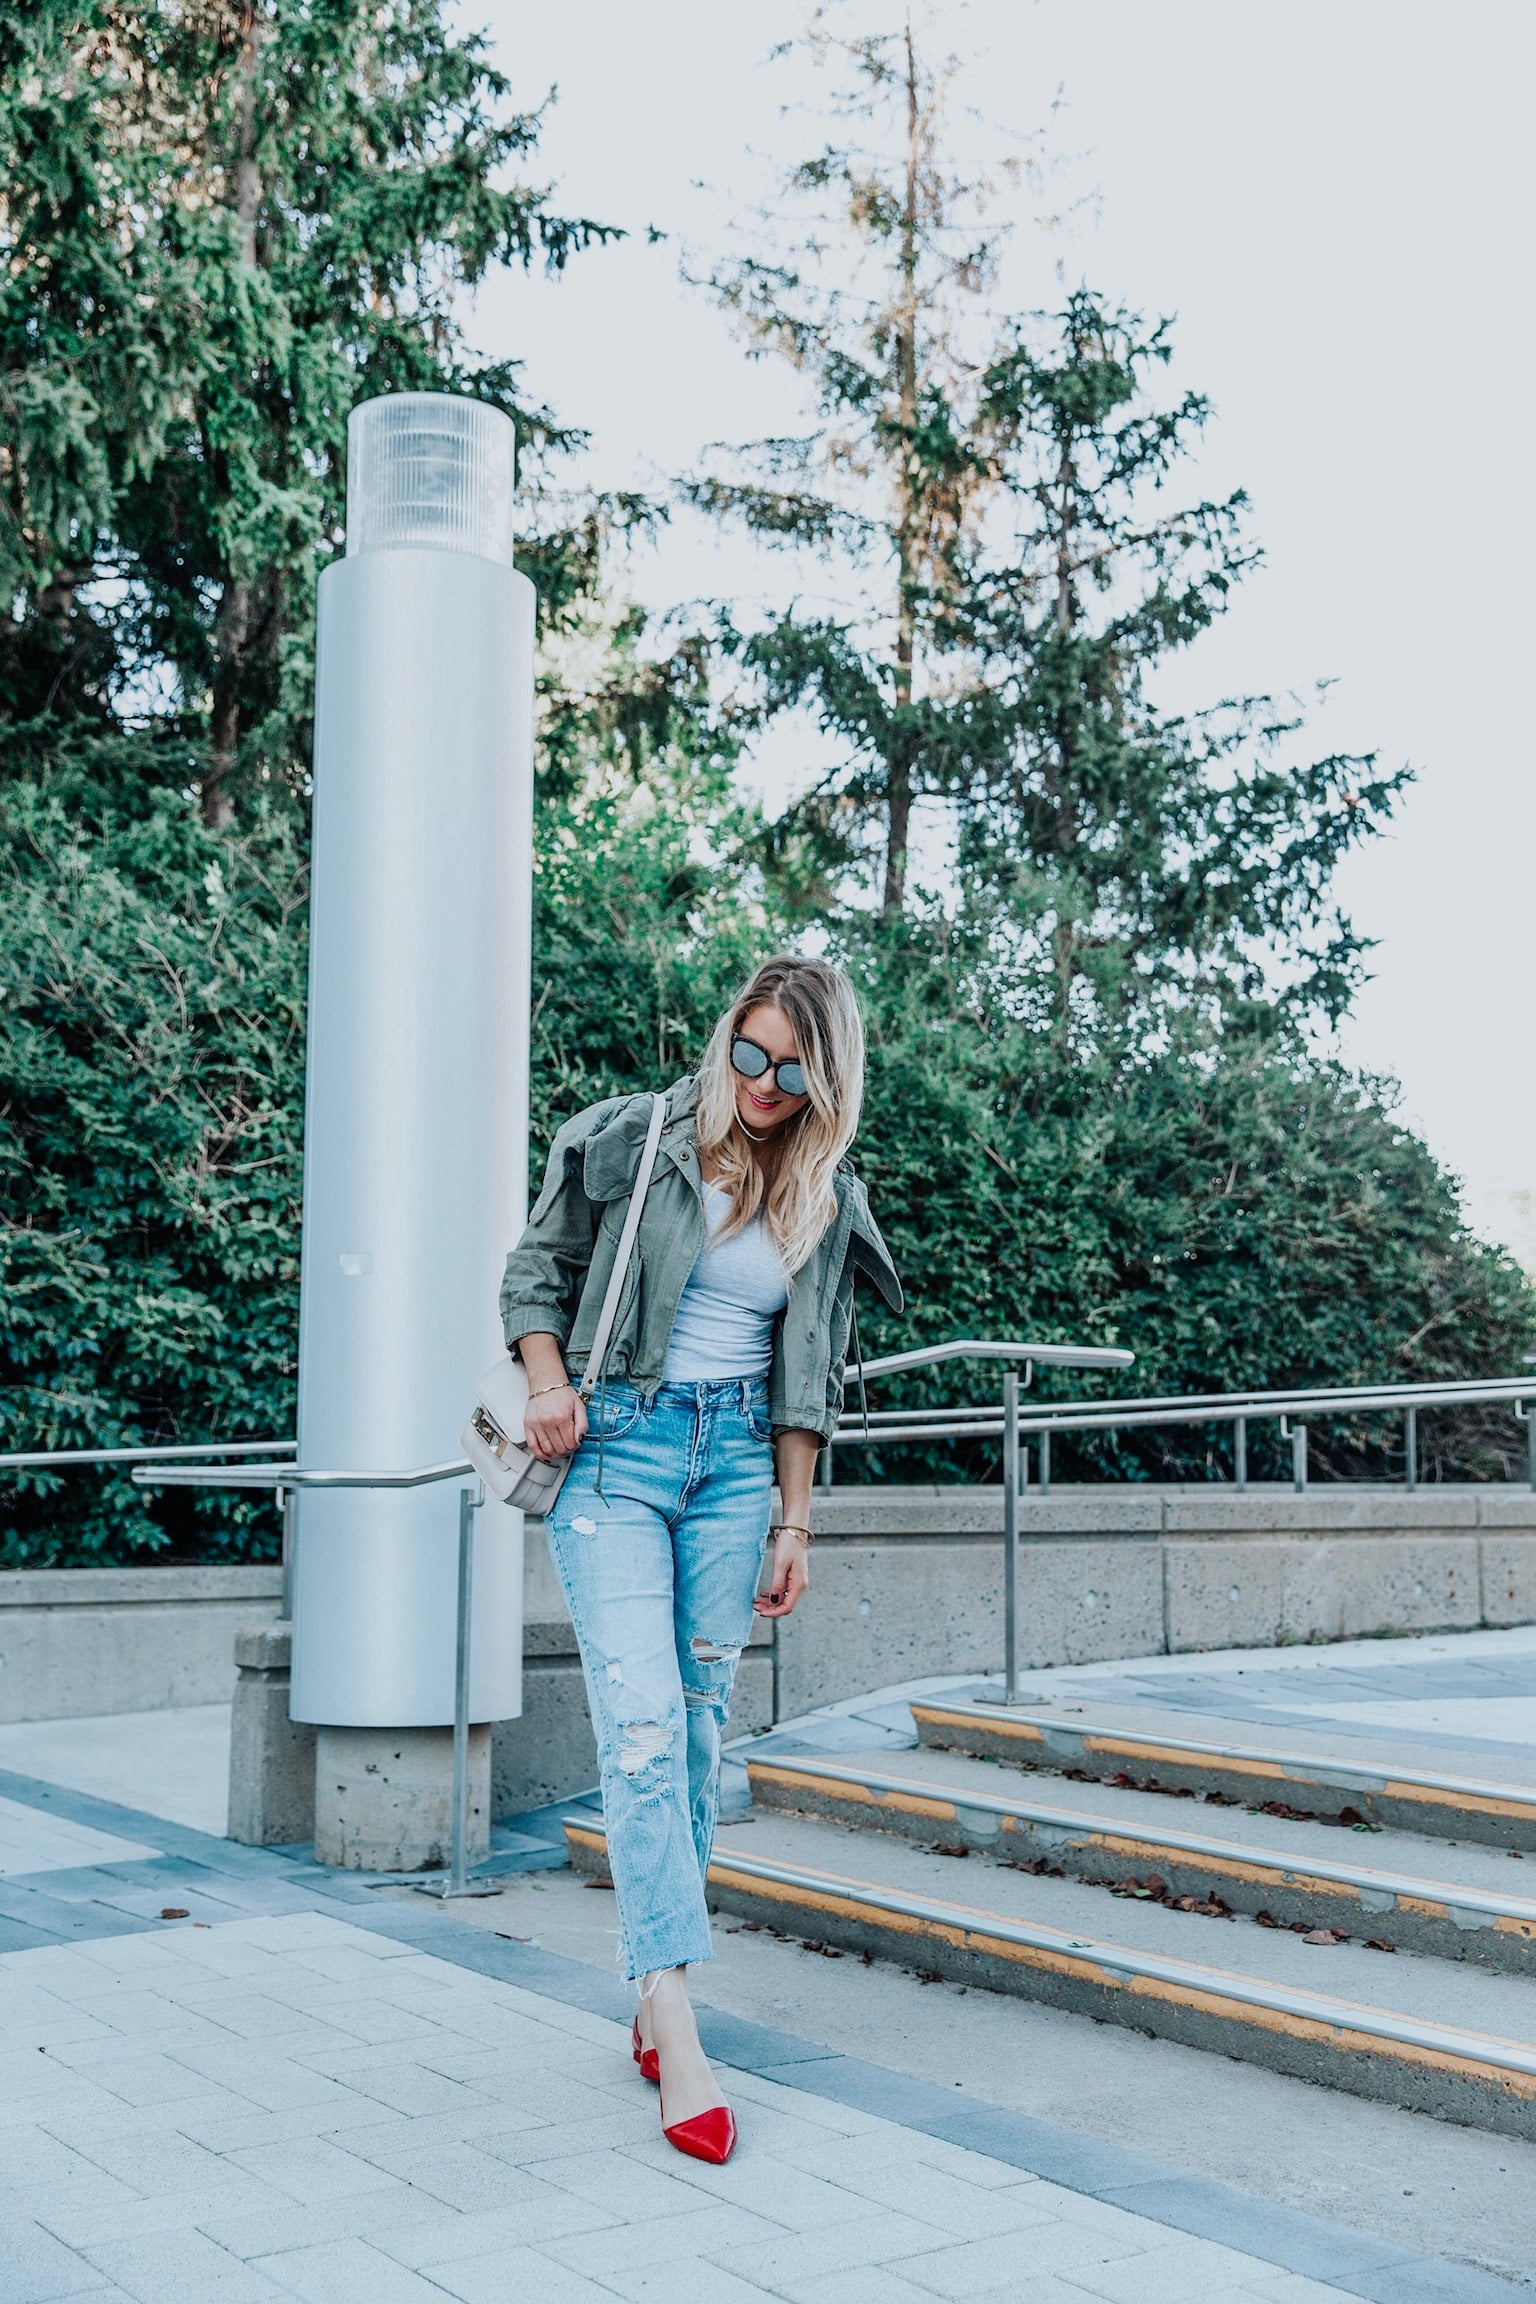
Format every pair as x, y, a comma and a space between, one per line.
613, 1411
754, 1410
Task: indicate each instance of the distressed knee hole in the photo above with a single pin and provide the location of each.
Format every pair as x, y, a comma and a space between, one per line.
704, 1699
644, 1743
715, 1651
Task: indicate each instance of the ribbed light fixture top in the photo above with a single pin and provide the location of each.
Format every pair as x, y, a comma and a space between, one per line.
431, 468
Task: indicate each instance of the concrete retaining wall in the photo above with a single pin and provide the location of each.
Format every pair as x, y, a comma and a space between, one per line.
906, 1582
909, 1581
84, 1640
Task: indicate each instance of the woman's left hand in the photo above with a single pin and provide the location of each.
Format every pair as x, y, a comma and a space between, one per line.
791, 1576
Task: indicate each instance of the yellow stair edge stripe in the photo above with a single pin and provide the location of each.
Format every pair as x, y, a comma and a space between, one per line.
1349, 2025
1245, 1760
1317, 1875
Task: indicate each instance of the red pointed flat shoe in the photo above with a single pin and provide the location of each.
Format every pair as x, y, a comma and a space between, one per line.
708, 2135
647, 2058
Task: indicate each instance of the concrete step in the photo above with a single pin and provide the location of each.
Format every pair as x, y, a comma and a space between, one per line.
1452, 2070
1414, 1800
1397, 1911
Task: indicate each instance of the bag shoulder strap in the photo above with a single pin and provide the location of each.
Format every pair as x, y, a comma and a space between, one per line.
603, 1332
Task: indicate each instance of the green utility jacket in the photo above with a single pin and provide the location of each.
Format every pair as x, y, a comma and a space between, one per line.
557, 1274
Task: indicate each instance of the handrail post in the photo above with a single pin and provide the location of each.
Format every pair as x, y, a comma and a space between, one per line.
1011, 1532
1530, 1441
457, 1881
1009, 1693
288, 1505
1240, 1451
1411, 1446
1045, 1457
1299, 1459
458, 1869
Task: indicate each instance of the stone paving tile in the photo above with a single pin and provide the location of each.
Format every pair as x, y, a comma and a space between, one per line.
1288, 2288
1179, 2273
59, 2108
311, 2168
440, 2235
38, 2267
230, 2124
343, 2056
948, 2202
818, 2111
695, 2283
1047, 2289
621, 2185
628, 2125
344, 2272
662, 2240
21, 1936
517, 2276
405, 2087
85, 2120
275, 2083
467, 2179
389, 2136
149, 2015
977, 2266
872, 2284
232, 2193
181, 2268
794, 2198
831, 2248
289, 2224
500, 2071
377, 2023
38, 2019
161, 2161
234, 2010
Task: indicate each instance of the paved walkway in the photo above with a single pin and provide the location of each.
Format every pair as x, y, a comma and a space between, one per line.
229, 2075
295, 2106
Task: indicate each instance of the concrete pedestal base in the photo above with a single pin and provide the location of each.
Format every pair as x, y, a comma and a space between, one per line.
384, 1798
271, 1758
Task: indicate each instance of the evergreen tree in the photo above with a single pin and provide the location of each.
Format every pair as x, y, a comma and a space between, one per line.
224, 225
1001, 486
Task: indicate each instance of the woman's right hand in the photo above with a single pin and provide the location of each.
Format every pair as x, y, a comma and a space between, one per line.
555, 1424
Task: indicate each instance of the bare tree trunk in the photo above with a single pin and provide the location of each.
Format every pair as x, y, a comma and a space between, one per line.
908, 516
233, 623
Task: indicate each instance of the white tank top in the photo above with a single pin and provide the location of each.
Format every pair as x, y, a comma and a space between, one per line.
735, 1292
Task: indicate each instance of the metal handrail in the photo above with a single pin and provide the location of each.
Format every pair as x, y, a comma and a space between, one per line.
292, 1476
984, 1420
44, 1459
969, 1348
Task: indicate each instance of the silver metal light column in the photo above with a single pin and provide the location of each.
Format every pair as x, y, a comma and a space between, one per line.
415, 1165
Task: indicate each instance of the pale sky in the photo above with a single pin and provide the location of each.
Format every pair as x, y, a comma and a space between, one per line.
1333, 198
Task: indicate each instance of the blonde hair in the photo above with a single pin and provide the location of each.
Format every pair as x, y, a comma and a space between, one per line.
787, 1175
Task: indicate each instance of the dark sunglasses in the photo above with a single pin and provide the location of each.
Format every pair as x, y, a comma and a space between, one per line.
754, 1063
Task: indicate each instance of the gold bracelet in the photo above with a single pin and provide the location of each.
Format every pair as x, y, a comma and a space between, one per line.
790, 1528
564, 1386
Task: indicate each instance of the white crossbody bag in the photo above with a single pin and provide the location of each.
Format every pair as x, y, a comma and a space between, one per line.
493, 1437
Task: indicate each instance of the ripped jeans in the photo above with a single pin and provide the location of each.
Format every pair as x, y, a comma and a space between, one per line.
659, 1572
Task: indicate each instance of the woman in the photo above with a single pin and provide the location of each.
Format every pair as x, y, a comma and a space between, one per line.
727, 1357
